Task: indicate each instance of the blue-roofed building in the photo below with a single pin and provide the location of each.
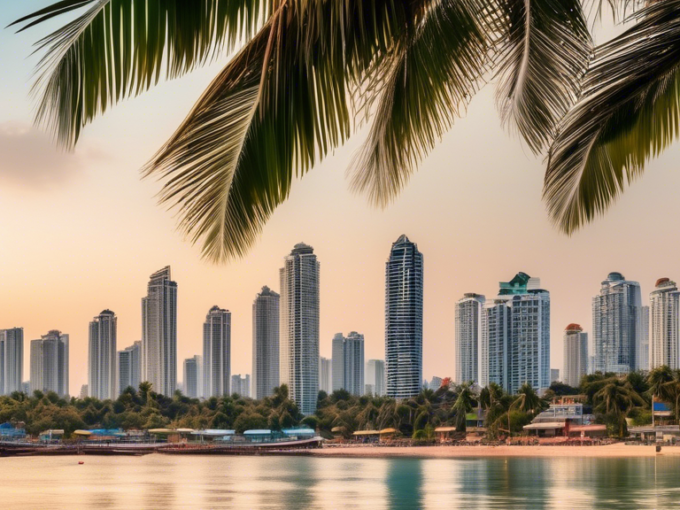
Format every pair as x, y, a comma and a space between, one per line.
9, 432
299, 433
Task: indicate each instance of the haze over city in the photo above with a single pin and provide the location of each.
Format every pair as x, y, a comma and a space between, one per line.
81, 233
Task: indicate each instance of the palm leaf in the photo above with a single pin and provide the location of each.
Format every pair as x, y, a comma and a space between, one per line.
119, 48
420, 86
542, 55
630, 113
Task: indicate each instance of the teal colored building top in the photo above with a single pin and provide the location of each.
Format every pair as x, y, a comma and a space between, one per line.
518, 285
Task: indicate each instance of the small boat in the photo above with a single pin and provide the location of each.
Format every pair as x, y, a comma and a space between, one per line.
81, 463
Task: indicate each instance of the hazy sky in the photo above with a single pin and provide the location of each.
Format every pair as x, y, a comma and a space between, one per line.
81, 232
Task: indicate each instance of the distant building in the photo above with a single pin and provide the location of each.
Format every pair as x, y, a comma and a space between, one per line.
240, 384
348, 363
159, 333
617, 325
26, 387
217, 353
469, 311
554, 375
404, 319
575, 355
49, 363
11, 360
325, 375
193, 370
494, 352
664, 305
84, 391
299, 348
266, 353
643, 351
130, 367
375, 376
435, 383
101, 373
338, 361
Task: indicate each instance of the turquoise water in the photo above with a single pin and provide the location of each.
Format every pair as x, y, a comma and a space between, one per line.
158, 481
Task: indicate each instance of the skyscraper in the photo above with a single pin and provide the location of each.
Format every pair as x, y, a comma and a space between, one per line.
299, 350
101, 374
575, 355
159, 333
617, 325
49, 363
664, 304
643, 351
468, 337
217, 353
516, 336
338, 361
265, 343
354, 364
193, 370
130, 367
404, 319
375, 376
325, 377
240, 384
11, 360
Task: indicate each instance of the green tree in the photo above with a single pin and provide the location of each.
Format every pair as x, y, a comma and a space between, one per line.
617, 399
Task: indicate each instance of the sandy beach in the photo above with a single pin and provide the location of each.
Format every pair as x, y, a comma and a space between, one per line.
440, 452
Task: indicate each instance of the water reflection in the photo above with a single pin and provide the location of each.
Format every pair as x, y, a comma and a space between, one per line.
404, 483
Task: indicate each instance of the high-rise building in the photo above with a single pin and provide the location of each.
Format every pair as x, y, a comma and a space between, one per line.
49, 363
617, 325
575, 355
554, 375
338, 361
404, 319
435, 383
11, 360
130, 367
217, 353
354, 363
299, 349
84, 392
664, 305
516, 336
375, 376
643, 351
468, 337
240, 384
325, 378
265, 343
193, 369
159, 333
101, 373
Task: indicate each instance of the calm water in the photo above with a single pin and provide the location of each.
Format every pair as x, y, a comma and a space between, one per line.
158, 481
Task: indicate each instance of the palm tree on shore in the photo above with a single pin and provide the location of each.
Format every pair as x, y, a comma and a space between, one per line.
307, 73
617, 398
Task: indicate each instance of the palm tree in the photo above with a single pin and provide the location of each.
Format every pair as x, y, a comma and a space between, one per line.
309, 69
463, 406
657, 380
617, 399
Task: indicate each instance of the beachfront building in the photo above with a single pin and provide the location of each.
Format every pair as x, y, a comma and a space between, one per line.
468, 336
130, 367
575, 355
193, 377
265, 343
217, 353
404, 319
494, 350
11, 360
325, 375
617, 325
240, 384
49, 363
299, 332
101, 373
664, 305
159, 333
375, 377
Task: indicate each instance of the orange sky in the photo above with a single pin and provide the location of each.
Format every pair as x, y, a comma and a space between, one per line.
81, 232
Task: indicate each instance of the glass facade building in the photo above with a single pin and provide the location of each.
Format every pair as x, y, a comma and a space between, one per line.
11, 360
664, 305
575, 355
468, 337
101, 373
217, 353
265, 343
49, 363
130, 367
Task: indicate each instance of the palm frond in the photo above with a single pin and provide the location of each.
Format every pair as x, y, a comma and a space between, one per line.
542, 55
119, 48
420, 85
630, 113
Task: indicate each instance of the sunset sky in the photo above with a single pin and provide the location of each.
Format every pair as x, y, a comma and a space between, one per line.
81, 232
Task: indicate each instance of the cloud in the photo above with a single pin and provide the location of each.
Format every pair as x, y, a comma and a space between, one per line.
30, 159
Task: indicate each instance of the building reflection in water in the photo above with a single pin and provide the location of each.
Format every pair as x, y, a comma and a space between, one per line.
404, 483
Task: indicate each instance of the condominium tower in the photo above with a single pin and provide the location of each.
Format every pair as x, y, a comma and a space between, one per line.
159, 333
375, 376
101, 373
265, 343
617, 325
338, 361
468, 336
193, 369
325, 378
404, 319
299, 349
49, 363
11, 360
130, 367
240, 384
575, 355
217, 353
350, 353
664, 304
